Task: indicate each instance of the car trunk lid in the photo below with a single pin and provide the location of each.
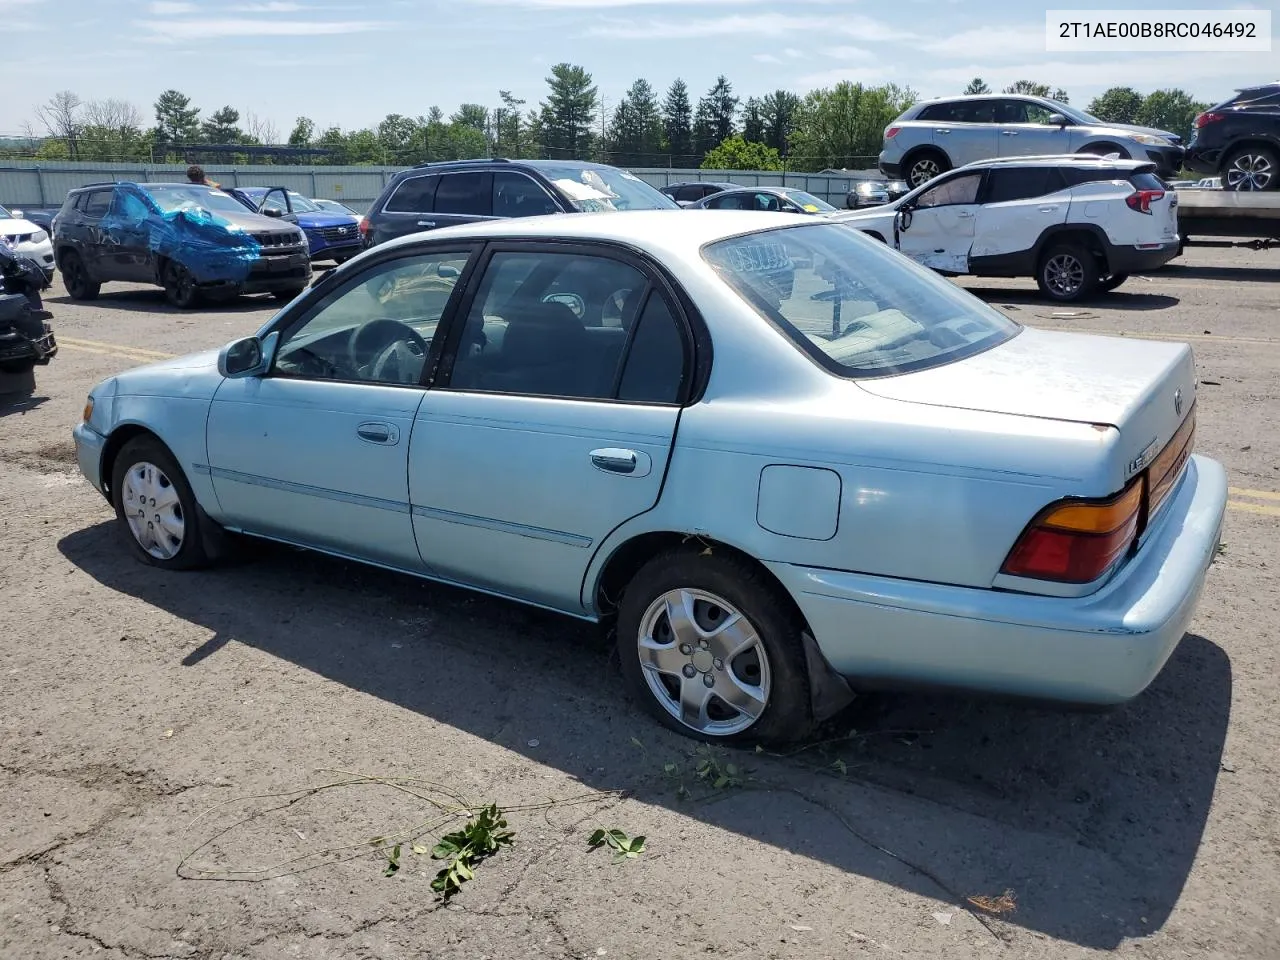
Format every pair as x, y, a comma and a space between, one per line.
1144, 389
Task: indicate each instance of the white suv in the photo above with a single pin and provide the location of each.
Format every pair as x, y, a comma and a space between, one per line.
1078, 224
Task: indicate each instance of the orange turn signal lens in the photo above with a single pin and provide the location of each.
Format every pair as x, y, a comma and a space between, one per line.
1086, 517
88, 410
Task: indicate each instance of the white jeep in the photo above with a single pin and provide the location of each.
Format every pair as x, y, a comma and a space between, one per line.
1078, 224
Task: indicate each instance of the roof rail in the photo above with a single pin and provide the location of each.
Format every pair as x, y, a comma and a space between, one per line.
98, 183
451, 163
1057, 157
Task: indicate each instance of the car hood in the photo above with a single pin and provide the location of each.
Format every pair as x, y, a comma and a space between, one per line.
255, 222
13, 226
1126, 128
193, 376
1142, 388
317, 221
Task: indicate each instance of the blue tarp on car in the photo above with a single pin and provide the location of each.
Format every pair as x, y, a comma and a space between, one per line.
211, 247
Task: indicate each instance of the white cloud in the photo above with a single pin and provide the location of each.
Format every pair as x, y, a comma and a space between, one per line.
170, 30
766, 58
763, 24
276, 7
847, 53
1003, 42
793, 53
165, 8
597, 4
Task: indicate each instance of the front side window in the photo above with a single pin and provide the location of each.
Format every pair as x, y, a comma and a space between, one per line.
517, 195
958, 190
852, 304
377, 327
560, 324
733, 201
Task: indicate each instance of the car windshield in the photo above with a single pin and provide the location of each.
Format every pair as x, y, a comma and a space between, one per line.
185, 196
592, 189
809, 201
301, 204
1079, 116
854, 305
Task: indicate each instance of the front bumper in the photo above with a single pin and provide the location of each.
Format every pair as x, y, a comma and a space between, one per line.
1100, 649
89, 447
1168, 160
1205, 160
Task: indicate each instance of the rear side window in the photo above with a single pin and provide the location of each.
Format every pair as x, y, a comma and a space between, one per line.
689, 194
465, 194
654, 367
414, 195
940, 112
97, 204
1075, 176
1004, 186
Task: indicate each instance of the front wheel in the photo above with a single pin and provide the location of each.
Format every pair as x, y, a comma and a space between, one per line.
155, 508
180, 286
713, 650
1067, 272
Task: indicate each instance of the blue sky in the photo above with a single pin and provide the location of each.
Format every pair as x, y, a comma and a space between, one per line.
346, 63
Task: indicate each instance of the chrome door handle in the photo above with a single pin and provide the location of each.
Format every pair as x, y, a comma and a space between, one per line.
1048, 209
964, 215
376, 432
426, 223
940, 130
1008, 133
614, 460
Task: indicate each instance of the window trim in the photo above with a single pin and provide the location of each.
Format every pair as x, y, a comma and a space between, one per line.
303, 311
111, 198
697, 359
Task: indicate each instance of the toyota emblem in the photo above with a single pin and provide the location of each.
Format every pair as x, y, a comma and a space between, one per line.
1177, 401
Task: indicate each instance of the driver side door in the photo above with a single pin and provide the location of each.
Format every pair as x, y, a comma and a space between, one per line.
315, 452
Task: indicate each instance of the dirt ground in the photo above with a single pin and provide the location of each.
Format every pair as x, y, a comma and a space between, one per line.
135, 702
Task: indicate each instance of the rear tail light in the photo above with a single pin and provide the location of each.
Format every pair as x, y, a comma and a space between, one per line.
891, 132
1077, 541
1141, 200
1205, 119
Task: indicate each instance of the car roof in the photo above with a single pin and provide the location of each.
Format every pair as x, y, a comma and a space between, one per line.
680, 231
1058, 160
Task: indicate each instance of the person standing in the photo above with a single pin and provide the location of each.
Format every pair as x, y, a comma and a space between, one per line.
195, 173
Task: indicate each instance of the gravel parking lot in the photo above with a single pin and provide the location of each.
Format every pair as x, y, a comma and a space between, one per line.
136, 701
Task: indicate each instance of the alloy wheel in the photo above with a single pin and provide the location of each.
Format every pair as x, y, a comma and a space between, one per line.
704, 662
1250, 171
1064, 275
922, 171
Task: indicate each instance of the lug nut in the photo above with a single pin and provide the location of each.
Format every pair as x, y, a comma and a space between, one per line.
703, 644
686, 649
719, 664
708, 680
689, 671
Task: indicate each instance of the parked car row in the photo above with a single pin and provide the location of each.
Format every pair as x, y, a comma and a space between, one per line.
1237, 140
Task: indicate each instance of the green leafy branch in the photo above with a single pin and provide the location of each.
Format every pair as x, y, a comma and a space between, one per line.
481, 837
624, 848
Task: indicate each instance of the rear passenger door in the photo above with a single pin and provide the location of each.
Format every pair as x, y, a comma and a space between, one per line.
1019, 204
463, 198
408, 209
551, 420
963, 130
98, 252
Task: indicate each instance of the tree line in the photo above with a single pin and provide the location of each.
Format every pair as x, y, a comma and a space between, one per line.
838, 127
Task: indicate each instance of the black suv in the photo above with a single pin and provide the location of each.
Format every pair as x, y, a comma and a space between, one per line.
1239, 140
190, 239
435, 195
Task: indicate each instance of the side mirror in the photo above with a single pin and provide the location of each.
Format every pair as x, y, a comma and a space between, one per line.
249, 357
904, 219
272, 212
1057, 119
444, 270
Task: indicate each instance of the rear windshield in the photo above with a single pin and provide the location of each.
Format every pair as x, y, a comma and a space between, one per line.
855, 306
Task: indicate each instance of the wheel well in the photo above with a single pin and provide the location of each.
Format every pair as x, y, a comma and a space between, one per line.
874, 235
1248, 142
61, 253
627, 560
1085, 238
915, 153
1101, 149
115, 443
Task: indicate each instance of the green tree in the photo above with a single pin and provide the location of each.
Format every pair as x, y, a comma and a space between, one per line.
176, 120
400, 138
713, 121
223, 126
304, 131
113, 132
843, 126
778, 110
508, 130
635, 133
472, 115
1031, 88
335, 140
1173, 110
1117, 105
568, 113
976, 86
677, 124
753, 121
736, 153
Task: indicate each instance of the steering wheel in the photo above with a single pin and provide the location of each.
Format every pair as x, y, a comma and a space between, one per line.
386, 348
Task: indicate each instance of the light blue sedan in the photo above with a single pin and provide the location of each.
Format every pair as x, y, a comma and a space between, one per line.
784, 460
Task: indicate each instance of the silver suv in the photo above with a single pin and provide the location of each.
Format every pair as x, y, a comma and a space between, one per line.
934, 136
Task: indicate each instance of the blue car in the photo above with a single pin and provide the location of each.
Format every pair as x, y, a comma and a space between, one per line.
332, 236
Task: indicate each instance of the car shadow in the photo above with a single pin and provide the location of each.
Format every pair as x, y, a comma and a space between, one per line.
19, 402
1093, 819
1122, 299
151, 300
1237, 274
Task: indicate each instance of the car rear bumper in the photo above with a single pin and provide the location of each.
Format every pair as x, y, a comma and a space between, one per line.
1206, 160
890, 168
89, 447
1100, 649
1126, 259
